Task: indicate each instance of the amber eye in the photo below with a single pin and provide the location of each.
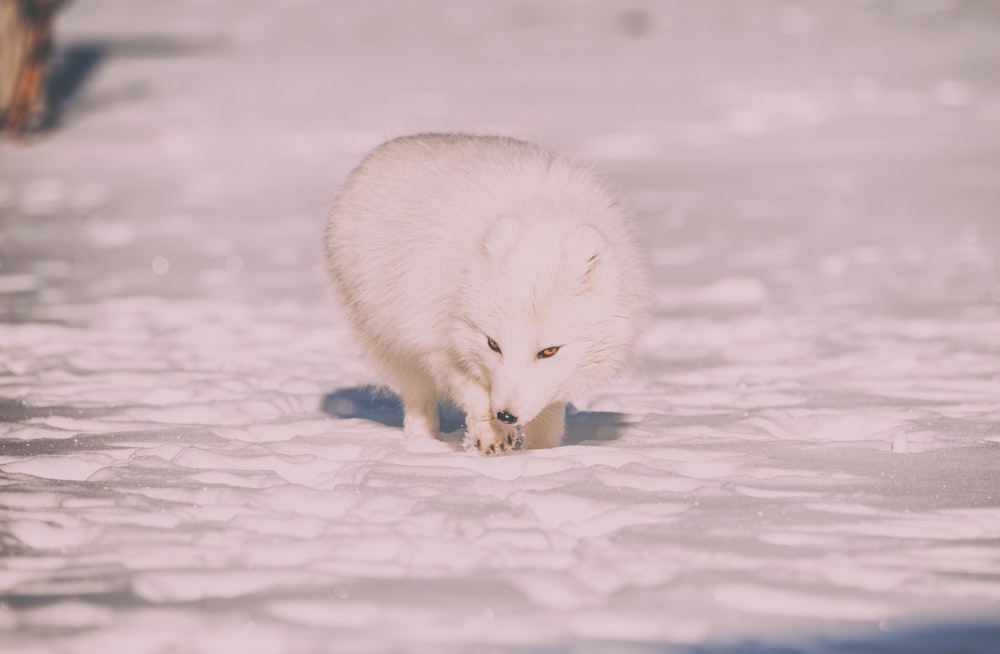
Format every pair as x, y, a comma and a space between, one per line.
493, 345
547, 352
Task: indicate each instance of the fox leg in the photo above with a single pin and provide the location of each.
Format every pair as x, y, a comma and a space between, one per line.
483, 431
420, 416
420, 406
547, 429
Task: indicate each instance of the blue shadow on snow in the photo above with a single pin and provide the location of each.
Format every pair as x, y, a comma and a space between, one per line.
384, 407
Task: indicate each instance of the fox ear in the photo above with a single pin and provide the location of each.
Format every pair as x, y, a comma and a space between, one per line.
501, 236
585, 251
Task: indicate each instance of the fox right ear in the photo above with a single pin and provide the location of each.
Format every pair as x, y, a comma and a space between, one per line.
501, 236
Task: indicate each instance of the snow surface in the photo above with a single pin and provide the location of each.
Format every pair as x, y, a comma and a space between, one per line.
805, 458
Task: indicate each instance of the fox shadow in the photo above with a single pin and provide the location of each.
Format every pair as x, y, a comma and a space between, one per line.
385, 407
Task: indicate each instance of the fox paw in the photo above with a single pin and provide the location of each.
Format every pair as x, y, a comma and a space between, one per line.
492, 438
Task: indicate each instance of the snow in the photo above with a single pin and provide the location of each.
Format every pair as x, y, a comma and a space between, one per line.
805, 457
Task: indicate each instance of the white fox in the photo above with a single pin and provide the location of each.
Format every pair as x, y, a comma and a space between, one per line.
490, 273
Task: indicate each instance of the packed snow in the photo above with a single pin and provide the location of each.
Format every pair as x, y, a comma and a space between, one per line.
805, 456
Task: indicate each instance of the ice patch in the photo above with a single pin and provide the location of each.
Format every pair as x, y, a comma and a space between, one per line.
216, 412
653, 482
352, 141
352, 614
161, 265
78, 468
42, 196
303, 468
772, 493
825, 426
733, 290
801, 540
875, 579
301, 527
952, 93
552, 591
67, 615
623, 627
181, 586
944, 526
245, 636
106, 233
708, 469
747, 122
622, 146
235, 263
21, 283
773, 601
589, 456
89, 195
6, 193
165, 395
277, 431
587, 517
520, 465
54, 534
900, 443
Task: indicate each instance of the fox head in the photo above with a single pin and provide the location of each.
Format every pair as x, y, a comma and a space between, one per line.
543, 316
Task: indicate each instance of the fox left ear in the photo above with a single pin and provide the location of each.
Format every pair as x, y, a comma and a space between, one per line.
585, 251
501, 236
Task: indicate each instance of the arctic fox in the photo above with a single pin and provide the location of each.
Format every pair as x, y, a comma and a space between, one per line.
487, 272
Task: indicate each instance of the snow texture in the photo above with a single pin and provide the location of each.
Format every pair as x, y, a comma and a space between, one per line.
805, 458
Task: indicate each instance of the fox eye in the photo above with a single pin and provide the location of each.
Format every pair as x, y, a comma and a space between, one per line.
493, 345
548, 352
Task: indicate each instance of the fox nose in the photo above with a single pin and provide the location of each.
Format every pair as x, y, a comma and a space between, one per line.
503, 416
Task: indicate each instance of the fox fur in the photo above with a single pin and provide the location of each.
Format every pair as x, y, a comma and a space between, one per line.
490, 273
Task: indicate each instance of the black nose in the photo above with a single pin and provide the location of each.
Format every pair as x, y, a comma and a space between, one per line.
503, 416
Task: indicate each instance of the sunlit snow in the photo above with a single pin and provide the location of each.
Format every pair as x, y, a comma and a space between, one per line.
804, 458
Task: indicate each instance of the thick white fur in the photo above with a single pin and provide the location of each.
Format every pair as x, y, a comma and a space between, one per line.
438, 242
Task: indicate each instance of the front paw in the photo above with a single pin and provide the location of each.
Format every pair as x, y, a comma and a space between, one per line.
492, 437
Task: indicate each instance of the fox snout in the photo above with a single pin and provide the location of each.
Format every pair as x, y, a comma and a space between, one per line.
507, 404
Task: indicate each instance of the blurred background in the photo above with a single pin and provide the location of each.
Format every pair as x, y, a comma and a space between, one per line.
247, 115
